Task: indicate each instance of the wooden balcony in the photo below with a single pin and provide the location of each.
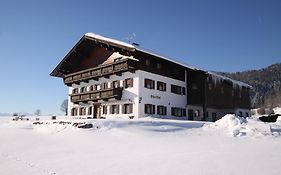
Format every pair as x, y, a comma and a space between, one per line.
101, 71
103, 94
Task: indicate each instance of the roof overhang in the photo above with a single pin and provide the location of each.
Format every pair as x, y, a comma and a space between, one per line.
126, 48
115, 45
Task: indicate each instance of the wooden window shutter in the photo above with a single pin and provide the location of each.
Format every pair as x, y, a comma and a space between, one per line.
145, 82
117, 109
131, 108
90, 110
184, 112
145, 108
131, 82
123, 109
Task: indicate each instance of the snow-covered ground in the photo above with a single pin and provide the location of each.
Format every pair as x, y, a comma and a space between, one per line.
231, 145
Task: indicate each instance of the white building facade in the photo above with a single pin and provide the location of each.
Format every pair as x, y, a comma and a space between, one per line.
112, 79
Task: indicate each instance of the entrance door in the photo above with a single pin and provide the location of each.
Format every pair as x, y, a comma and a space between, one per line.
190, 114
97, 111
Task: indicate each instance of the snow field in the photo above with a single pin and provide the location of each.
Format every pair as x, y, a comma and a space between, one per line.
231, 145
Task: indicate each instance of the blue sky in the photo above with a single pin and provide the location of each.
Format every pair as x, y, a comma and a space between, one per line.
225, 35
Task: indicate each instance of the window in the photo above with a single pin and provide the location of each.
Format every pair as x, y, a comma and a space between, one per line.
178, 112
82, 111
83, 89
147, 62
115, 109
115, 84
149, 84
128, 83
194, 86
75, 91
247, 114
104, 85
149, 109
210, 86
73, 111
159, 65
214, 116
90, 109
161, 110
161, 86
95, 87
104, 109
128, 108
177, 89
222, 90
91, 88
197, 113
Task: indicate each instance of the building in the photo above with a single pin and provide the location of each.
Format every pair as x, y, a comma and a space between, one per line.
108, 78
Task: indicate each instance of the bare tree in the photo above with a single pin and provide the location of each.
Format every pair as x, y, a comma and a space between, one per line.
37, 112
64, 106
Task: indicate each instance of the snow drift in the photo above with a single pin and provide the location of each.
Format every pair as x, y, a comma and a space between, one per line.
236, 126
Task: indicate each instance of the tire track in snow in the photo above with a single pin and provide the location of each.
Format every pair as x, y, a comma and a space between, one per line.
28, 164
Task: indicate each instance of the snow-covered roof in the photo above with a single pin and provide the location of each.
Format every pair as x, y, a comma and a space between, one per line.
132, 48
114, 42
193, 67
166, 58
226, 78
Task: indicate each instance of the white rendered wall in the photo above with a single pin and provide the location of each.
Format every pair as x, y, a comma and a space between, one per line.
138, 95
167, 98
129, 95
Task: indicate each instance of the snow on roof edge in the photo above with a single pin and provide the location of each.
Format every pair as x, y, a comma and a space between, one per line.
240, 83
168, 59
112, 41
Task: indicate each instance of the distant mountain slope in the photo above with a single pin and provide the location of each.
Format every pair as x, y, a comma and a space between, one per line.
266, 83
4, 114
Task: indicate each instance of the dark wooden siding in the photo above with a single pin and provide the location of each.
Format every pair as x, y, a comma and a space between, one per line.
159, 66
195, 96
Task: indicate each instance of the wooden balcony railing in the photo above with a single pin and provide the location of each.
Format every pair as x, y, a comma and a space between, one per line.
101, 71
103, 94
